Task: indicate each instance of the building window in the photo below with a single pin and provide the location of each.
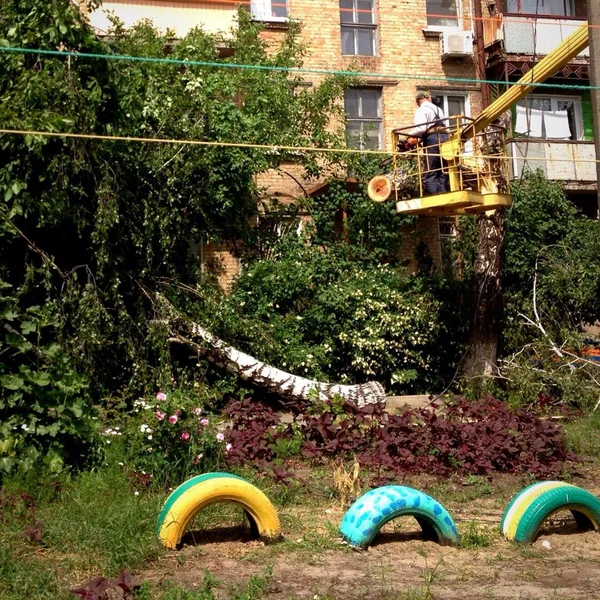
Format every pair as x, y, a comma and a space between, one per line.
550, 117
359, 27
269, 10
556, 8
451, 104
443, 13
364, 125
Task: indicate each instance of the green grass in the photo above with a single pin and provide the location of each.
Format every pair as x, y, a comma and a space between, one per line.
474, 536
582, 436
58, 533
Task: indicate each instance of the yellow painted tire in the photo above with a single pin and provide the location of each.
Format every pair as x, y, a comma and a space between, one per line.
202, 491
529, 509
380, 188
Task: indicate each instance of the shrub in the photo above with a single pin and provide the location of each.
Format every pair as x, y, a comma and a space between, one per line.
329, 318
465, 437
46, 415
170, 437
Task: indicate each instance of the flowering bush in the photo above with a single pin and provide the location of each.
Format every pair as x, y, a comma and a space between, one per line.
332, 319
171, 438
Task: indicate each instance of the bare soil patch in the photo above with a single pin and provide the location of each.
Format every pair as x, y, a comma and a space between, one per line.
312, 563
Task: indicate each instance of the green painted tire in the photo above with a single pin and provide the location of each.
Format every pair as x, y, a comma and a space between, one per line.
203, 490
527, 511
184, 487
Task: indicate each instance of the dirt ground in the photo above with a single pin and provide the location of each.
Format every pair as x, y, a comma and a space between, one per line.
312, 563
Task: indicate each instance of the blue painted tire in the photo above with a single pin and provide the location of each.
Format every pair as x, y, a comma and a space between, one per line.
373, 510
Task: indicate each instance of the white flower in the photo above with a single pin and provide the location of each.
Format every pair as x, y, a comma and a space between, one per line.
145, 428
136, 493
149, 437
121, 464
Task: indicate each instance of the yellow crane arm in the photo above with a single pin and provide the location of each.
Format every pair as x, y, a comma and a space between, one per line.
547, 67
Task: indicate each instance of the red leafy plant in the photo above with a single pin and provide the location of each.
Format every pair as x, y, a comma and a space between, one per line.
460, 436
99, 588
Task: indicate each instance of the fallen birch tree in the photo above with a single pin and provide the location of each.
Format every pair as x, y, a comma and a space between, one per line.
286, 385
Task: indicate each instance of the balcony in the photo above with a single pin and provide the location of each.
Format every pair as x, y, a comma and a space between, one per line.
524, 35
570, 162
179, 16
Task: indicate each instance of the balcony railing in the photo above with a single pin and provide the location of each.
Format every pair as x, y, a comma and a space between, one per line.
565, 161
526, 35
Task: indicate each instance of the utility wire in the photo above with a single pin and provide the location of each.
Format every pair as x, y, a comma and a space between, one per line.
267, 147
298, 70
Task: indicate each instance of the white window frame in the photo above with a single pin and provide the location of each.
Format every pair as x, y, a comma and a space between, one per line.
580, 132
443, 94
355, 26
261, 10
459, 14
361, 119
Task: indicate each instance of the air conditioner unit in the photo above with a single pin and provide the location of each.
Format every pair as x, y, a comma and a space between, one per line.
456, 43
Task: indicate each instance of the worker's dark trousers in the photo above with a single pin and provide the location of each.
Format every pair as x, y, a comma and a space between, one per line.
434, 181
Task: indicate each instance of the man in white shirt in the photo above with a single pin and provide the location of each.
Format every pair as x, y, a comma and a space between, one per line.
430, 126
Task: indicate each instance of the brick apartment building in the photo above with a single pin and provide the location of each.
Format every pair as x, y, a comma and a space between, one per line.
426, 41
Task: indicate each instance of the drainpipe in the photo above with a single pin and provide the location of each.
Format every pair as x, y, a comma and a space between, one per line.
593, 14
479, 42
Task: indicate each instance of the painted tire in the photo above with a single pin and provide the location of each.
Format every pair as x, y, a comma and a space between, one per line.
527, 511
373, 510
201, 491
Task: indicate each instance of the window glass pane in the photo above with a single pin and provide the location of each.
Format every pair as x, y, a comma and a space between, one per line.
365, 11
348, 40
371, 135
442, 13
351, 103
370, 103
346, 11
353, 134
539, 103
456, 106
366, 42
560, 8
279, 8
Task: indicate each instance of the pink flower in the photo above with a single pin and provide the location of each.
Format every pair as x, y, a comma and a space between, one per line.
220, 437
197, 411
161, 396
198, 458
173, 419
172, 379
185, 436
160, 415
204, 422
228, 447
178, 412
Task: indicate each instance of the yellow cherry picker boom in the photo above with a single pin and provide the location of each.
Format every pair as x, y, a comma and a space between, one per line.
474, 156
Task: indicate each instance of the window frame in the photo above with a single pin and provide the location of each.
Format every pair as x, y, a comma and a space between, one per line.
571, 12
554, 99
458, 26
258, 16
362, 119
444, 94
356, 27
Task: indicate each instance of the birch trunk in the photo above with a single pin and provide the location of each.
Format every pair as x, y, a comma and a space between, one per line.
248, 368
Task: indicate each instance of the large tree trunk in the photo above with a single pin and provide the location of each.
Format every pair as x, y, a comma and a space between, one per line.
286, 385
481, 356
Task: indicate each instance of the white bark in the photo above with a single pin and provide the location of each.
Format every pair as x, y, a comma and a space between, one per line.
248, 368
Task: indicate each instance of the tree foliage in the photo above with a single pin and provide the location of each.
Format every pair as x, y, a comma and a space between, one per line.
87, 225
